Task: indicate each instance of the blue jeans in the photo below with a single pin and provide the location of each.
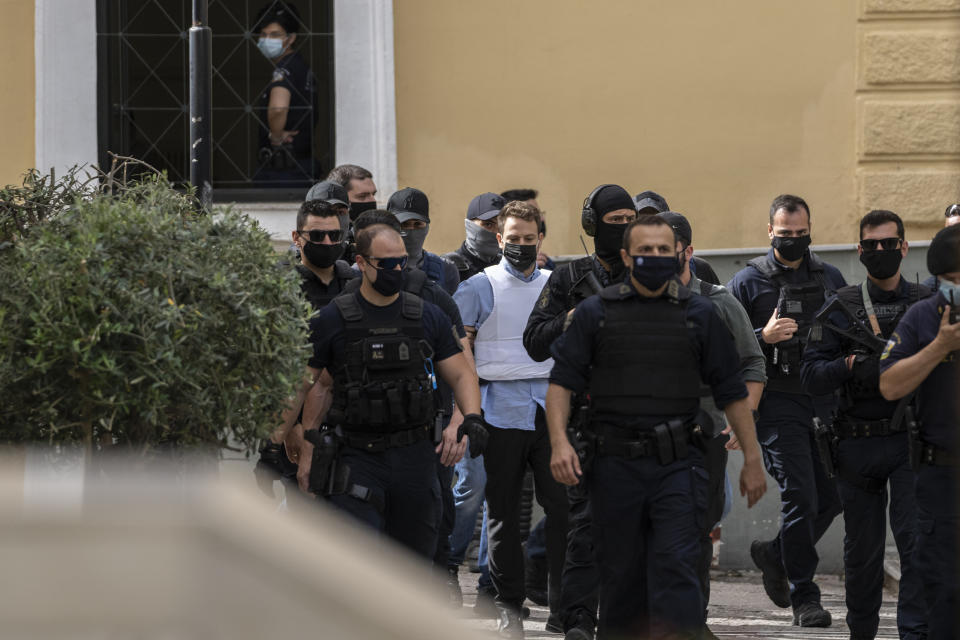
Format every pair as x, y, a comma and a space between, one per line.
467, 501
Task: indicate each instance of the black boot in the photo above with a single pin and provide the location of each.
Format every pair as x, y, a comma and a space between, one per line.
509, 624
775, 581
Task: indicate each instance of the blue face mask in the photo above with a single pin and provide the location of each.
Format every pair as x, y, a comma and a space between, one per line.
270, 47
950, 291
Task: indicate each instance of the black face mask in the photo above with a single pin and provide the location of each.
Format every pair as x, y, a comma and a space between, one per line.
791, 249
654, 271
520, 256
881, 263
356, 208
322, 255
608, 241
388, 282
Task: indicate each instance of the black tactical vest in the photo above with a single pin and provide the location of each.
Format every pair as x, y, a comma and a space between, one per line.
646, 363
320, 296
383, 385
799, 301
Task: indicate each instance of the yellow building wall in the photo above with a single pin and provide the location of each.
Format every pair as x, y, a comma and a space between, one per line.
17, 96
717, 106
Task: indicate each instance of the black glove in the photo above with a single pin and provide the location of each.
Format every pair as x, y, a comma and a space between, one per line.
475, 428
273, 465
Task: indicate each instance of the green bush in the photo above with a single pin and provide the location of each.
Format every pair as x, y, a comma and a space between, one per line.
128, 320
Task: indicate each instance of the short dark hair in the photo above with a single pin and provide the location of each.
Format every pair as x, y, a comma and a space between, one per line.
878, 217
519, 194
282, 12
344, 173
517, 209
376, 216
371, 224
645, 221
790, 204
318, 208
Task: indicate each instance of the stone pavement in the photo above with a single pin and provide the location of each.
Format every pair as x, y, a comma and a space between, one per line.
738, 609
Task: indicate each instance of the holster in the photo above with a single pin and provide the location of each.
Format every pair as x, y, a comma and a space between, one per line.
325, 472
671, 438
914, 443
825, 440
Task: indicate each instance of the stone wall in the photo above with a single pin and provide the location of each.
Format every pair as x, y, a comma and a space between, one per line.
908, 109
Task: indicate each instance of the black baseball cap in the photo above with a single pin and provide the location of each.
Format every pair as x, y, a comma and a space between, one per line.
485, 206
951, 211
408, 204
680, 225
650, 200
329, 192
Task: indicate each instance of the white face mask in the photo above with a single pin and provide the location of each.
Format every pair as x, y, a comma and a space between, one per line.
270, 47
950, 291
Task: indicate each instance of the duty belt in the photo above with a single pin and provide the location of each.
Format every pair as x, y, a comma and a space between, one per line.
845, 428
376, 442
935, 456
631, 443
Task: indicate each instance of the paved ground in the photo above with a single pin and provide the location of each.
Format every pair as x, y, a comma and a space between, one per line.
739, 609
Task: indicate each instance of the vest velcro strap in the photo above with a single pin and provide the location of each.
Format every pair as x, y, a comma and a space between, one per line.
377, 442
866, 428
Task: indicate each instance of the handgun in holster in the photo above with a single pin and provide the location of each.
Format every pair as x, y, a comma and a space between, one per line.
582, 440
914, 443
824, 438
328, 476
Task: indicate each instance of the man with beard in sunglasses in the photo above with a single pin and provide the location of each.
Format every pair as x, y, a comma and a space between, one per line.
383, 348
782, 292
870, 453
320, 239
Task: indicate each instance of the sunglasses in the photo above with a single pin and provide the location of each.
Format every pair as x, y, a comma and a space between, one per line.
388, 263
317, 235
887, 244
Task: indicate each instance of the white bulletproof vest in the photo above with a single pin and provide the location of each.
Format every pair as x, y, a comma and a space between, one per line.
499, 345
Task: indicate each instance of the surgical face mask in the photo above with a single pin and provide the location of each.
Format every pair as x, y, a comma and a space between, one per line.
413, 240
951, 292
270, 47
790, 249
322, 255
608, 241
356, 208
654, 271
881, 263
388, 282
520, 256
480, 242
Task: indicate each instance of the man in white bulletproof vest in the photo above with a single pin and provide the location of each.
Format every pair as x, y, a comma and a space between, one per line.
495, 305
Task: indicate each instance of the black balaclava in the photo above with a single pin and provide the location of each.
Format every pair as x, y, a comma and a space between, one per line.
608, 239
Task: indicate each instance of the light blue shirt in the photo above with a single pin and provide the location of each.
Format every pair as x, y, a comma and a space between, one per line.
507, 404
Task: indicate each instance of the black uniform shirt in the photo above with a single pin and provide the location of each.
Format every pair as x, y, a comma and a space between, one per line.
938, 398
329, 342
549, 315
318, 293
294, 74
825, 368
719, 361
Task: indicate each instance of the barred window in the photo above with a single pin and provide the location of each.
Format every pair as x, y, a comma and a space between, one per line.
143, 100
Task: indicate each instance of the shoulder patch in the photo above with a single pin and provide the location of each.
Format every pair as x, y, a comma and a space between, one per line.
544, 298
891, 343
277, 76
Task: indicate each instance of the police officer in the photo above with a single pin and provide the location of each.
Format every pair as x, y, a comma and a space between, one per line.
923, 357
480, 249
640, 349
872, 449
782, 292
417, 283
652, 203
361, 196
753, 370
382, 347
412, 209
607, 211
320, 240
951, 216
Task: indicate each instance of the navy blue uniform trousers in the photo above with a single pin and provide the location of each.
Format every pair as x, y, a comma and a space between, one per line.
808, 498
865, 532
937, 547
580, 586
649, 520
405, 481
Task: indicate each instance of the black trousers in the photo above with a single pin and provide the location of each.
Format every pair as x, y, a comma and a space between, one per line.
715, 462
505, 459
581, 577
448, 514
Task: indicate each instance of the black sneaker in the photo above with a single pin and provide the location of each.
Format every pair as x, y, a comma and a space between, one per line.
554, 624
811, 614
509, 624
453, 587
775, 581
582, 630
